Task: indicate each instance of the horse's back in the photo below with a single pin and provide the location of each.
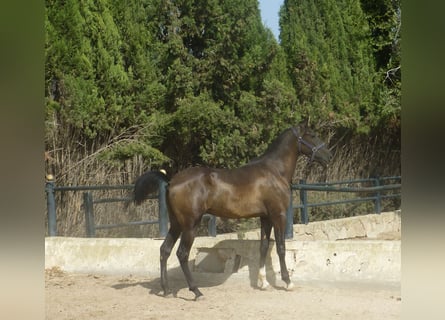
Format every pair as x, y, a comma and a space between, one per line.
243, 192
189, 175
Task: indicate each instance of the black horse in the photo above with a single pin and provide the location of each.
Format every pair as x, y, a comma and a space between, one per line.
258, 189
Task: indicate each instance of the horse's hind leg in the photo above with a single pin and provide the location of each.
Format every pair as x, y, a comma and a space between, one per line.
166, 248
187, 238
266, 228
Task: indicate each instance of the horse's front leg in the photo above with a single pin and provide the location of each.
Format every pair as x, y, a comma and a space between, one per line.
266, 228
279, 228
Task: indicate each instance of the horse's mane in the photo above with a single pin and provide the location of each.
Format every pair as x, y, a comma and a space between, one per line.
273, 148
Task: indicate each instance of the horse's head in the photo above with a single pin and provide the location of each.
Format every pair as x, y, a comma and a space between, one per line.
311, 145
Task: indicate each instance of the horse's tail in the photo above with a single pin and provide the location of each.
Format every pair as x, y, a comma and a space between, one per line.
146, 184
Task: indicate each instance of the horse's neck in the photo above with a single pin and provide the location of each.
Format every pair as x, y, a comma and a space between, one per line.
283, 157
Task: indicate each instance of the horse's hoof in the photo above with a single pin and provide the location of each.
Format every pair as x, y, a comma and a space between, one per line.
166, 293
198, 294
263, 284
200, 298
290, 286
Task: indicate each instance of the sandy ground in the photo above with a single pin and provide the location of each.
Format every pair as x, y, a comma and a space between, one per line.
87, 296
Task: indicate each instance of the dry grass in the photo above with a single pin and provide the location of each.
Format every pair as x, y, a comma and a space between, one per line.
74, 163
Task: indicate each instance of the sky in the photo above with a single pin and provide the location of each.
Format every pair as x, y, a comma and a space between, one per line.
269, 14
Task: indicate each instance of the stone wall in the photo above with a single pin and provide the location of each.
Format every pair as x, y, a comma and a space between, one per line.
384, 226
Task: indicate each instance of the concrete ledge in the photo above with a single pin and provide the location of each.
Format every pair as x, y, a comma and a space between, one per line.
349, 260
384, 226
327, 260
103, 255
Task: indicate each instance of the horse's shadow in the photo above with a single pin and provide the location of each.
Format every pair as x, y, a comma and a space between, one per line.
176, 280
211, 270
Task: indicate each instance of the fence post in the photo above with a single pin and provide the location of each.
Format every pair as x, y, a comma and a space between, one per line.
51, 203
289, 232
89, 214
378, 197
163, 214
303, 200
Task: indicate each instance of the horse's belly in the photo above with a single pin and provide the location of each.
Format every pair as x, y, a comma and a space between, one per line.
234, 209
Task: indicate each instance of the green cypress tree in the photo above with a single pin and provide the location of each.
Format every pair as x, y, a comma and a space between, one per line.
327, 44
87, 74
384, 17
220, 52
127, 74
101, 93
139, 53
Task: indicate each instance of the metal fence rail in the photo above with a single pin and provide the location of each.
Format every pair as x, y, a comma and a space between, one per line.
378, 191
89, 202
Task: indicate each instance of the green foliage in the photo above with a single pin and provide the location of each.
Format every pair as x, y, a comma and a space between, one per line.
127, 149
329, 60
204, 82
384, 18
142, 141
203, 132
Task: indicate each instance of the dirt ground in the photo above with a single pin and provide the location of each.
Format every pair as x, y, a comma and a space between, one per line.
88, 296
